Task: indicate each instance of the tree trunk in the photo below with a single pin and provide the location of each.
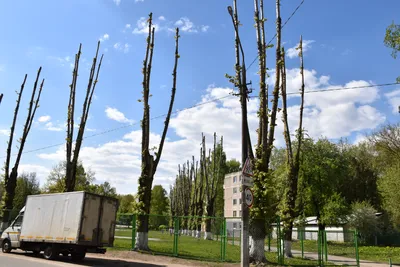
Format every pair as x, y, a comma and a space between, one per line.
144, 195
257, 241
210, 210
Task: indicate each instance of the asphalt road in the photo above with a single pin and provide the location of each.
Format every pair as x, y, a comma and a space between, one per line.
17, 259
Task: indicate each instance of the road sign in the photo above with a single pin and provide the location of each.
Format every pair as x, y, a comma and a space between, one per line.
247, 181
248, 197
248, 168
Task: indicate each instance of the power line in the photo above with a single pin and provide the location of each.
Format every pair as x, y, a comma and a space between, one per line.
288, 19
208, 102
340, 88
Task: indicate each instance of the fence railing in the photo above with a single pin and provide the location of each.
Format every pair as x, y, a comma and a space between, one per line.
219, 239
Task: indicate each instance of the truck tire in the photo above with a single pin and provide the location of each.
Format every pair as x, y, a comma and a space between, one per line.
6, 246
50, 253
78, 256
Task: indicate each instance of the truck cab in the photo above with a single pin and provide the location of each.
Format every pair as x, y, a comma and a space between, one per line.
10, 238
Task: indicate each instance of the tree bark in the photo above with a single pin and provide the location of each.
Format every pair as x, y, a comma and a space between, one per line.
73, 156
10, 179
293, 162
149, 163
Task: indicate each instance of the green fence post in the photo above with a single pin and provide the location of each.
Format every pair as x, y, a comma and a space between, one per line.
133, 231
176, 235
319, 241
278, 245
233, 237
302, 243
390, 262
225, 239
222, 242
269, 241
326, 246
356, 247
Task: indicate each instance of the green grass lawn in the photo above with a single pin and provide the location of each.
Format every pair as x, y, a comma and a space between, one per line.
200, 249
371, 253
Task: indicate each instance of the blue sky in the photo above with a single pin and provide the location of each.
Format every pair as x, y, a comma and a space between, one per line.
344, 48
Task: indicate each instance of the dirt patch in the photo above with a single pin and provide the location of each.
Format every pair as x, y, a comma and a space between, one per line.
161, 260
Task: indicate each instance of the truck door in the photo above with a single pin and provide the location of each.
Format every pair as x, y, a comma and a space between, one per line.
14, 231
107, 221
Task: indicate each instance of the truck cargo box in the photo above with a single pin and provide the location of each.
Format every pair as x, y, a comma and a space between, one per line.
77, 218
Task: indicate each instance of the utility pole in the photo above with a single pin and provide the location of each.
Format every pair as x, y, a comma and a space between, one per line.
241, 83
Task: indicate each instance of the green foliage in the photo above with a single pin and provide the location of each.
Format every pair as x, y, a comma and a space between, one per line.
104, 189
84, 181
322, 176
27, 184
159, 206
363, 218
389, 187
56, 180
232, 165
335, 211
126, 203
392, 38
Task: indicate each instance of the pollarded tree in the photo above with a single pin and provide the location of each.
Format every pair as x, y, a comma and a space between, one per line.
214, 176
265, 202
72, 156
10, 179
149, 162
288, 209
1, 98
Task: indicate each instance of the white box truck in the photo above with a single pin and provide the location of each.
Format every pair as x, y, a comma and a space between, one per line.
67, 223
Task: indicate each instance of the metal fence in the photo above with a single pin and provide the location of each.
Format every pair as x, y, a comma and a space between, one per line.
218, 239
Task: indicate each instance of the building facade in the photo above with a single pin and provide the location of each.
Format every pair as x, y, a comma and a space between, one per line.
232, 202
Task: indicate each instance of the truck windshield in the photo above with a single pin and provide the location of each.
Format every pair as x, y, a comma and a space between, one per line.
18, 221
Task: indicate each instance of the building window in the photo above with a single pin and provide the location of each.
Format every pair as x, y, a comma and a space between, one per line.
234, 201
234, 213
234, 225
234, 179
240, 201
235, 190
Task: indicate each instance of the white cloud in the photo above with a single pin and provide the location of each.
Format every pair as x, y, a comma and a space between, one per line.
293, 52
394, 100
205, 28
186, 25
4, 132
136, 1
117, 46
142, 26
63, 61
126, 48
41, 172
360, 138
120, 47
340, 114
117, 2
128, 26
116, 115
162, 18
44, 118
104, 37
51, 127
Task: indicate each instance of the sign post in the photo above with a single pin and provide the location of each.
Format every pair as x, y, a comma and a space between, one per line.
247, 202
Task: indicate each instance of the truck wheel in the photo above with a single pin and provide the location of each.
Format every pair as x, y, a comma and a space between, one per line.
6, 246
50, 253
78, 256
